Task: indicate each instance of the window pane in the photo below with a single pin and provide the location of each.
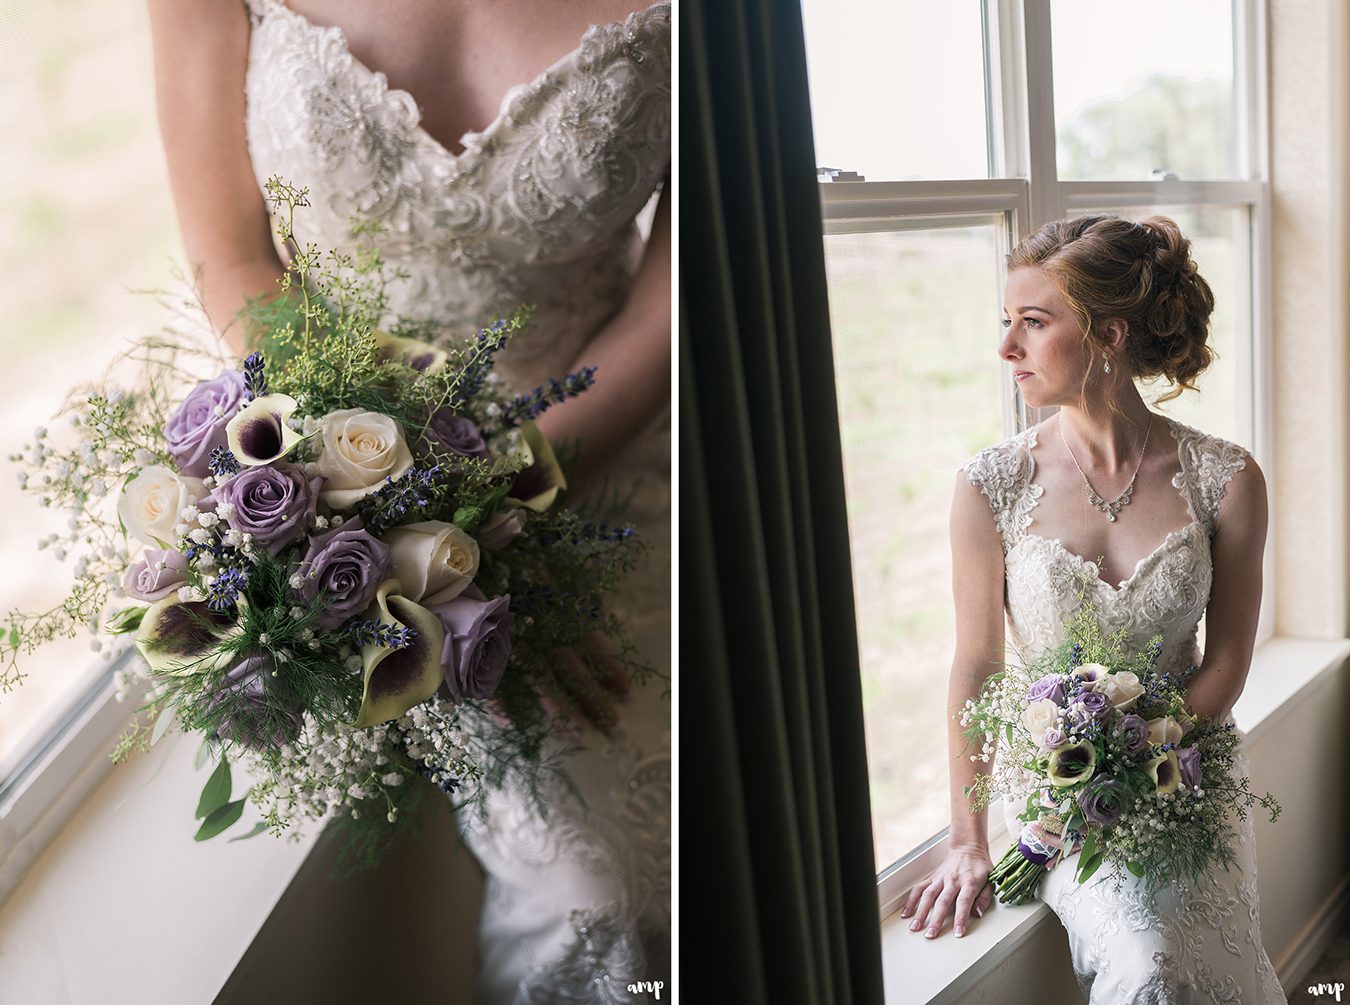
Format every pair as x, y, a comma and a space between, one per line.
897, 89
1219, 246
1143, 86
915, 320
85, 217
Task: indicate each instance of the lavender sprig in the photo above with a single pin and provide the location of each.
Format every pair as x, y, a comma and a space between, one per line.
225, 589
526, 407
255, 381
379, 633
399, 497
489, 341
223, 462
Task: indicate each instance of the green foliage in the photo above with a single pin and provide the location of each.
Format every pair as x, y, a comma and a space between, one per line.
1181, 125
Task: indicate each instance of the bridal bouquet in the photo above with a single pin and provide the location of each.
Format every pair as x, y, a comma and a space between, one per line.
339, 563
1111, 763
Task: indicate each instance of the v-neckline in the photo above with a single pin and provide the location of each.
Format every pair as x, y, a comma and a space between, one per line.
1140, 566
475, 137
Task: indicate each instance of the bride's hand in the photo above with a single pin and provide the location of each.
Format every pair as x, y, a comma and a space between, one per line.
960, 882
585, 677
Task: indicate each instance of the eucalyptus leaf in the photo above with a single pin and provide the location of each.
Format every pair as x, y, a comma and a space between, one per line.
222, 818
203, 755
1010, 732
217, 790
163, 722
1089, 846
1135, 868
258, 828
1087, 867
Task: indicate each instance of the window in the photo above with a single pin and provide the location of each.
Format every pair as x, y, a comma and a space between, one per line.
87, 218
944, 134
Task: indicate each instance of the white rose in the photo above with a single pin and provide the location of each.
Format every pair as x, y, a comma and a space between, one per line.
1164, 730
1121, 689
360, 450
1040, 716
150, 504
433, 561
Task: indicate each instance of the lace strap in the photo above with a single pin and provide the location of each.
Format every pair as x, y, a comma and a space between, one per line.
1211, 463
259, 8
1004, 472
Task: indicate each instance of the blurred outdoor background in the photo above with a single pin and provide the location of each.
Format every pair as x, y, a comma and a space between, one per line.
85, 218
898, 94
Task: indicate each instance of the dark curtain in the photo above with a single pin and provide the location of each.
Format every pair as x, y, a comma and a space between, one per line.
778, 891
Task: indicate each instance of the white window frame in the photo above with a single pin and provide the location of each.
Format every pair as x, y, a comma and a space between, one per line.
1024, 188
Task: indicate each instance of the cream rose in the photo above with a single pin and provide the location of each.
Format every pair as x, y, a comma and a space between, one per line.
1040, 716
433, 561
360, 450
1164, 730
1121, 689
150, 504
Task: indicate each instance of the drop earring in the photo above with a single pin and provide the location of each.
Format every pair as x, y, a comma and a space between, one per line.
1107, 366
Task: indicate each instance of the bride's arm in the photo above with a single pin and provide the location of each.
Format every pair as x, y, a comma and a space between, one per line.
200, 57
958, 885
631, 355
1237, 547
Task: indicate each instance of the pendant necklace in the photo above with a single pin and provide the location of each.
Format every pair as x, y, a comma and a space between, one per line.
1113, 507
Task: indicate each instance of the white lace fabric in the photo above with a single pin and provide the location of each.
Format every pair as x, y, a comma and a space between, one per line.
539, 208
1192, 943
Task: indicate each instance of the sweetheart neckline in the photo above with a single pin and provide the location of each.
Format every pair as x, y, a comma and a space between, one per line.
1125, 584
475, 138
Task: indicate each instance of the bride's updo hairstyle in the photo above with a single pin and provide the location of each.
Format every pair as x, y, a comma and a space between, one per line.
1106, 267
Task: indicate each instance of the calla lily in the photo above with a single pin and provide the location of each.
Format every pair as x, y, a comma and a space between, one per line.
259, 434
1089, 671
1165, 772
537, 485
398, 679
421, 356
178, 636
1071, 764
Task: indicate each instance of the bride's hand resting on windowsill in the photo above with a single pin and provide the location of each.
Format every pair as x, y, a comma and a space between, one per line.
958, 886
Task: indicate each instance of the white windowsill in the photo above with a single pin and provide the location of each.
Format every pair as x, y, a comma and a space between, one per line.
922, 971
109, 898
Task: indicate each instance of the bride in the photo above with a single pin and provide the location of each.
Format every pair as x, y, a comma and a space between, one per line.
1177, 520
507, 149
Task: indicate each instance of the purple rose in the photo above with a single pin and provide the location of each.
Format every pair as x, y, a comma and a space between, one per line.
500, 529
1053, 738
1134, 733
345, 566
273, 502
456, 434
1050, 686
1189, 760
197, 426
477, 644
252, 716
1095, 704
156, 575
1103, 801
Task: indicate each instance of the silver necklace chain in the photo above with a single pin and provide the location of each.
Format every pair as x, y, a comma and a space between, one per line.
1113, 507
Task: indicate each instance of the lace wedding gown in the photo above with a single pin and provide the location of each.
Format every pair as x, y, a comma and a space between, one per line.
539, 208
1192, 943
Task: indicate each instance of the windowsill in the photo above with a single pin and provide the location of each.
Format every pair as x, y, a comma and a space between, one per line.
123, 873
941, 970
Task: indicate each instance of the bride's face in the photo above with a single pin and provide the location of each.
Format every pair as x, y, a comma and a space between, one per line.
1041, 341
